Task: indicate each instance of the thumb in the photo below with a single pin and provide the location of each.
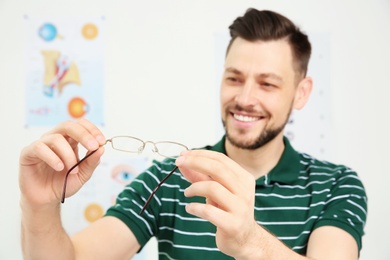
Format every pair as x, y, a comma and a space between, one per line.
89, 163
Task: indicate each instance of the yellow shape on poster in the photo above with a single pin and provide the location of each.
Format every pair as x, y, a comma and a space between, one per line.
93, 212
89, 31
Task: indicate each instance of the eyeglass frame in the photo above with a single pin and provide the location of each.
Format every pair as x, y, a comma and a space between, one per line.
139, 151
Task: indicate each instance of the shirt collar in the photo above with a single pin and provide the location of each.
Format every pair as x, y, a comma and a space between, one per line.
285, 171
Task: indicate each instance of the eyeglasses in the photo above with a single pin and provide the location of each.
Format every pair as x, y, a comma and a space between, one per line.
131, 144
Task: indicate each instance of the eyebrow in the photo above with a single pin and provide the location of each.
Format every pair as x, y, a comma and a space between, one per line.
260, 76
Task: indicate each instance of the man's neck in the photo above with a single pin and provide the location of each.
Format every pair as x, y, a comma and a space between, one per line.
261, 161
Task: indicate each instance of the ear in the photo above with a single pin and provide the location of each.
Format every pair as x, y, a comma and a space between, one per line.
303, 92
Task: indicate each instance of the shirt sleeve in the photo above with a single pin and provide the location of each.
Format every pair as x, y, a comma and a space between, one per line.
346, 208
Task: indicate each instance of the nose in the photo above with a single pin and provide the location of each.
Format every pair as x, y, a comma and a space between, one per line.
246, 96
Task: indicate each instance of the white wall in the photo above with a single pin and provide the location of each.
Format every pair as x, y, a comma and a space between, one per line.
160, 64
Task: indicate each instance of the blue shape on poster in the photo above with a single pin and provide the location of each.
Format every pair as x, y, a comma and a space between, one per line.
48, 32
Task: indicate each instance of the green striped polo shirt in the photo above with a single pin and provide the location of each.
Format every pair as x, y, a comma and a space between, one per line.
297, 196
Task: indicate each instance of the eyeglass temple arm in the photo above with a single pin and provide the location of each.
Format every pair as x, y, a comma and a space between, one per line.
74, 166
155, 190
71, 169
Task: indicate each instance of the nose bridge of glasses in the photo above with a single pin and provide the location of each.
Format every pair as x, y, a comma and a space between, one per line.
154, 147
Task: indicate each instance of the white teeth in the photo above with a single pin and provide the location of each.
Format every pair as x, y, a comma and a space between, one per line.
245, 118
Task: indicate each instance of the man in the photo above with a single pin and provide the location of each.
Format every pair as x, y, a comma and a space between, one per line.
250, 196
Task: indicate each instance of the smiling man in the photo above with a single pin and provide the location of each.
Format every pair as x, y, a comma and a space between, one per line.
259, 89
250, 196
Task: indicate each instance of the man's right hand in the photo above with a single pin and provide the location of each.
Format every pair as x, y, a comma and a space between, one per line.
44, 163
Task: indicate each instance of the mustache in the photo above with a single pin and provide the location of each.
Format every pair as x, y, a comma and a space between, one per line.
249, 110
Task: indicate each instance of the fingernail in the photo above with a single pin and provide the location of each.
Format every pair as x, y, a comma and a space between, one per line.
187, 192
60, 166
179, 160
189, 208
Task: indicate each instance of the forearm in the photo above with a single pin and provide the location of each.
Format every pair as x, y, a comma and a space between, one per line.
43, 236
264, 245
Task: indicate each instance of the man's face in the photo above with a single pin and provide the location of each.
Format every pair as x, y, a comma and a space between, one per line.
257, 91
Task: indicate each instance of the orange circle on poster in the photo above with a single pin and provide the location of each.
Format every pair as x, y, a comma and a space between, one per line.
89, 31
77, 107
93, 212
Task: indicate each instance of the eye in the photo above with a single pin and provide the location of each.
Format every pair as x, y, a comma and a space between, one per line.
233, 80
267, 85
123, 174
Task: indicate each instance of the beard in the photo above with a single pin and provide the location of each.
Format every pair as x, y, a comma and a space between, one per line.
267, 135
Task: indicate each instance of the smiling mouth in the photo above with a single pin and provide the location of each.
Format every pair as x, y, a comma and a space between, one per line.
244, 118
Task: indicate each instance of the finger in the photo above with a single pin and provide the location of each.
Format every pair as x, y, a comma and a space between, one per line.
80, 132
99, 136
89, 165
40, 151
215, 194
214, 215
215, 165
62, 149
86, 167
212, 203
208, 161
193, 176
222, 208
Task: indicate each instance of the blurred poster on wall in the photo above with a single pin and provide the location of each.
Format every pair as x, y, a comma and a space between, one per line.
307, 129
64, 69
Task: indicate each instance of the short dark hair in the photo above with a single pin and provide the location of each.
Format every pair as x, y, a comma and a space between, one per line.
267, 25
